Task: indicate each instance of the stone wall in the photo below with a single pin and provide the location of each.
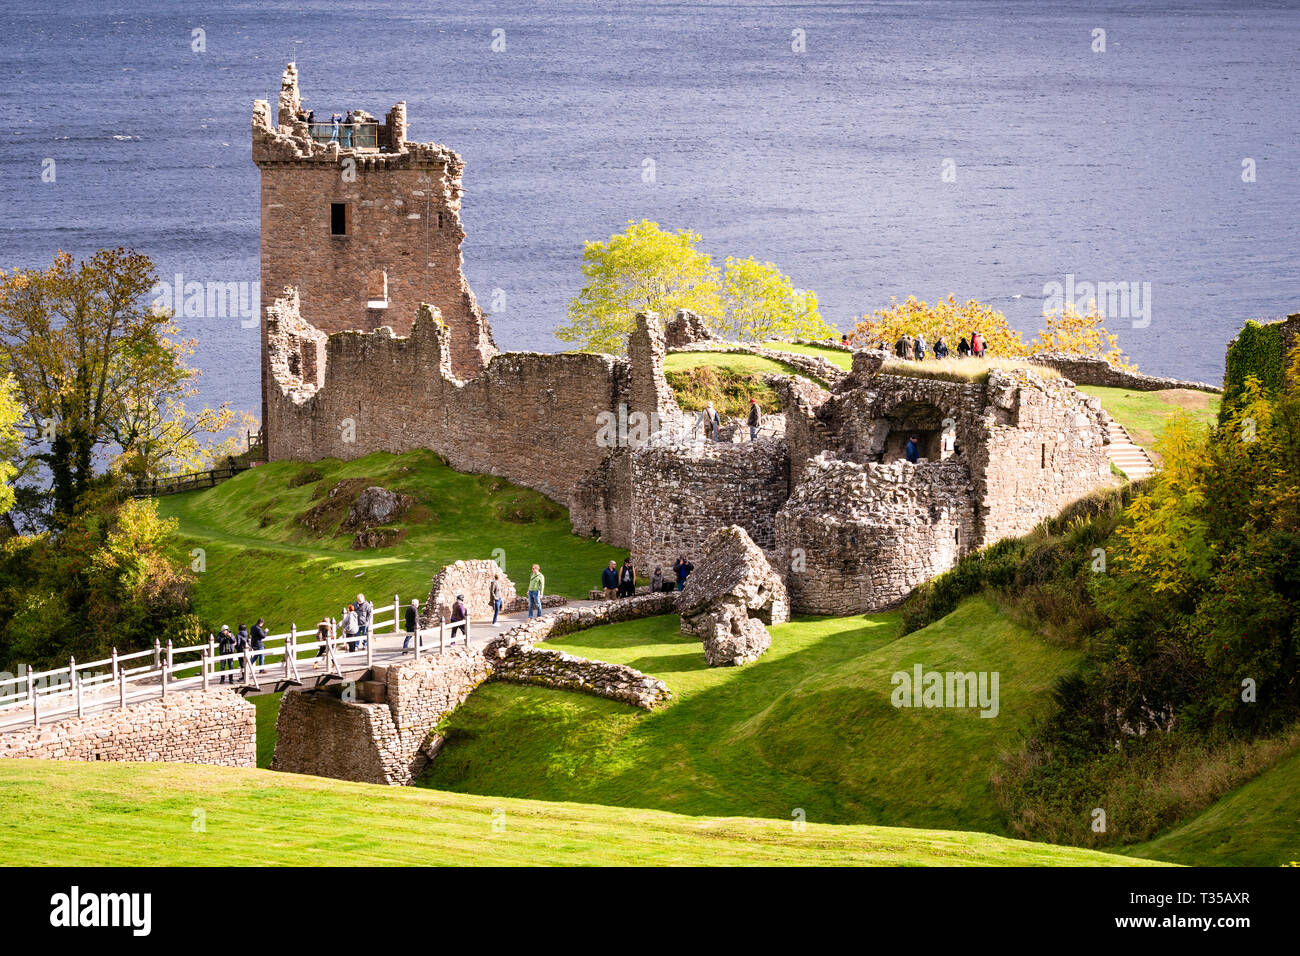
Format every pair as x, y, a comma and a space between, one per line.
679, 496
548, 668
375, 741
1089, 370
572, 619
472, 579
214, 727
858, 537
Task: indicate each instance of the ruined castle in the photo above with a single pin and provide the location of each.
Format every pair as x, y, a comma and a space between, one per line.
373, 341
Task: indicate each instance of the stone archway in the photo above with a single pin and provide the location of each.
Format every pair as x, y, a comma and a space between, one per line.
911, 418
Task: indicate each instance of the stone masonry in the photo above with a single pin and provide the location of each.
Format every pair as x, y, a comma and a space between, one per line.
214, 727
472, 579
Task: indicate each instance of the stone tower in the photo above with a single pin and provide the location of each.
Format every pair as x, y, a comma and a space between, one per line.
365, 226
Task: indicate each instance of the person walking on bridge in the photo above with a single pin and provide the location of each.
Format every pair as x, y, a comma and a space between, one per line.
494, 595
459, 617
412, 622
536, 587
323, 630
365, 615
348, 624
226, 646
259, 643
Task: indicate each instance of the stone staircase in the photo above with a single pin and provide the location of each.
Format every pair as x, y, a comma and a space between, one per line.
1130, 458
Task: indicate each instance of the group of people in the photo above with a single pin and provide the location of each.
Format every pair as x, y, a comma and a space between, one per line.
241, 640
915, 347
620, 582
708, 417
340, 129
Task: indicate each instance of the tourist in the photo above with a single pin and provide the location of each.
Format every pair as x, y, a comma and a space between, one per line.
494, 595
941, 349
682, 568
963, 348
609, 580
334, 129
657, 581
977, 345
348, 624
627, 579
225, 647
844, 342
459, 619
912, 451
365, 615
902, 347
259, 643
755, 419
536, 585
242, 643
323, 634
412, 622
918, 348
347, 131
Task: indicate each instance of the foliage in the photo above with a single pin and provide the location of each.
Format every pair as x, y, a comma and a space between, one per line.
947, 318
729, 389
1080, 333
11, 439
648, 269
642, 269
1255, 352
98, 372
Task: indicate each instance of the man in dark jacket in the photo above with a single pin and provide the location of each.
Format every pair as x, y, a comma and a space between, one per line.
459, 615
903, 347
627, 579
225, 645
683, 568
755, 419
259, 641
912, 451
609, 580
412, 621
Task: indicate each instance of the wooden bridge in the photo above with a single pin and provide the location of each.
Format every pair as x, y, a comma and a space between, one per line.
42, 697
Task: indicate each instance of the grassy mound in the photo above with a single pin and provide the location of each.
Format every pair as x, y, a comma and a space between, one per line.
183, 815
274, 544
835, 356
808, 727
1255, 825
728, 380
1145, 414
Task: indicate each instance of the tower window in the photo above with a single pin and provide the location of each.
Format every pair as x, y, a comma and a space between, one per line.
339, 219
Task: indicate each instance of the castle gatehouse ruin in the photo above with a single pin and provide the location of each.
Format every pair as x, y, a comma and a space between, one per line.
373, 342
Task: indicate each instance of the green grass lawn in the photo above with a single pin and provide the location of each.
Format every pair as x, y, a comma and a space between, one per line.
260, 561
809, 726
1258, 824
835, 356
736, 361
1145, 414
120, 814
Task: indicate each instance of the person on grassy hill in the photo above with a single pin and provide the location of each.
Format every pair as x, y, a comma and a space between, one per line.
258, 636
459, 615
412, 622
682, 568
348, 622
963, 348
225, 645
494, 595
755, 419
977, 345
941, 348
903, 347
627, 579
912, 451
657, 581
536, 587
609, 580
365, 615
918, 348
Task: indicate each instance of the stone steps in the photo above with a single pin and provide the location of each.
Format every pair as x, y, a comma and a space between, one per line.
1129, 457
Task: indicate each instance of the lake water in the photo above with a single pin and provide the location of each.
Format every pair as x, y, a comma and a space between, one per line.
1117, 166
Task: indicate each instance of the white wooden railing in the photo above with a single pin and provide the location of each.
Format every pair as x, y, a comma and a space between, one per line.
123, 679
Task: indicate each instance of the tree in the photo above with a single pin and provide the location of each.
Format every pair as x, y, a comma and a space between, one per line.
761, 303
97, 370
1068, 330
642, 269
947, 318
11, 439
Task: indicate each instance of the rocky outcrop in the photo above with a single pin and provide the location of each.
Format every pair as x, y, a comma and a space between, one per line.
376, 506
732, 581
685, 328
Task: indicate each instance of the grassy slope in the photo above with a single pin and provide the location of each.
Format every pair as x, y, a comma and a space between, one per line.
739, 361
145, 814
260, 561
808, 726
1144, 414
1258, 824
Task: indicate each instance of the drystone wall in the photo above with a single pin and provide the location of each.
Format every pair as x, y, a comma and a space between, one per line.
1090, 370
380, 741
859, 537
544, 667
472, 579
679, 496
213, 727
